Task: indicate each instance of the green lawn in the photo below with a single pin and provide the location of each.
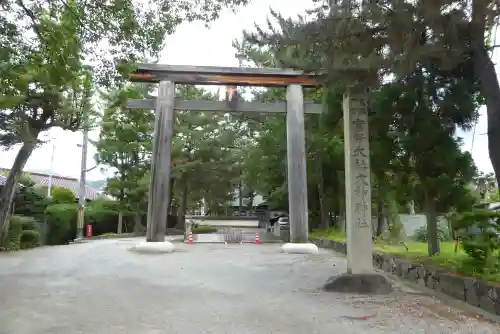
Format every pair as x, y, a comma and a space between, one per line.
417, 252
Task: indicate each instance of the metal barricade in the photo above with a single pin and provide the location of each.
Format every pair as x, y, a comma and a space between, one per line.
230, 234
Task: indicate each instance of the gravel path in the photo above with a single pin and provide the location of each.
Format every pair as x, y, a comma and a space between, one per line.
101, 287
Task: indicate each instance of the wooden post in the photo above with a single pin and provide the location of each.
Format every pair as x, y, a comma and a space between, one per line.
159, 191
296, 164
357, 183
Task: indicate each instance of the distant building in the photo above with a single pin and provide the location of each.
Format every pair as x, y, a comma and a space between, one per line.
233, 206
69, 183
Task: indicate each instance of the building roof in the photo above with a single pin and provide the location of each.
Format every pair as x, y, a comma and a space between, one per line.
58, 181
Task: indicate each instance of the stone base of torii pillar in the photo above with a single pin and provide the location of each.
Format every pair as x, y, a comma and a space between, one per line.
368, 283
299, 248
160, 247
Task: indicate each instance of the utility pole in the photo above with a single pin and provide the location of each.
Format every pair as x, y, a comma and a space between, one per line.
83, 174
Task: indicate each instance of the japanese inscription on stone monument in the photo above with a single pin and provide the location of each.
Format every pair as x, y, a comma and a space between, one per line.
361, 162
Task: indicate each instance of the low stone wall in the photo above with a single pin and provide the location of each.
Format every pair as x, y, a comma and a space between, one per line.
474, 291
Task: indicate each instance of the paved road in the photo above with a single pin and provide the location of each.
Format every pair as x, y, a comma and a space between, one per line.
103, 288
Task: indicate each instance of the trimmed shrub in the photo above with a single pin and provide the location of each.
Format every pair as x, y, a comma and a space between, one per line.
204, 229
24, 232
30, 239
30, 235
479, 232
13, 239
443, 234
62, 196
61, 219
29, 203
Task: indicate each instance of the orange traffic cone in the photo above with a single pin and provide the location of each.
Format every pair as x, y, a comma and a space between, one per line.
190, 238
257, 238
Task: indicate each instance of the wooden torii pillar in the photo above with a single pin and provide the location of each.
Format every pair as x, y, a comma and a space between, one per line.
294, 107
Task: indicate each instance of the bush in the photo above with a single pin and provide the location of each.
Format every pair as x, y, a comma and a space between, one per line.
61, 219
23, 233
30, 239
13, 239
29, 202
479, 232
103, 216
421, 234
30, 236
204, 229
62, 196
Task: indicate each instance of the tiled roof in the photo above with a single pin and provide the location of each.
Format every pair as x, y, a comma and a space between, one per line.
59, 181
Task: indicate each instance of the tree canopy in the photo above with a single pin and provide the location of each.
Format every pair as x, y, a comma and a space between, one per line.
55, 54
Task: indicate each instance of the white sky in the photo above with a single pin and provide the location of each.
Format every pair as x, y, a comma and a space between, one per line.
193, 44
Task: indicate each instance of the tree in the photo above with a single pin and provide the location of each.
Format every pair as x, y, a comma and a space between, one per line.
360, 42
124, 145
324, 143
41, 88
205, 156
44, 82
427, 100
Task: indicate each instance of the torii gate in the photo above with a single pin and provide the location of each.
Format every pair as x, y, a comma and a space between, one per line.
357, 163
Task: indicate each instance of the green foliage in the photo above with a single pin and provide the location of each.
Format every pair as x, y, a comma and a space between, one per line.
30, 236
479, 231
101, 214
421, 234
13, 240
62, 196
23, 233
415, 155
61, 219
45, 47
204, 229
29, 201
125, 144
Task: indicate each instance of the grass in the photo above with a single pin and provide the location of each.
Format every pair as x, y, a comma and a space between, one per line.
417, 253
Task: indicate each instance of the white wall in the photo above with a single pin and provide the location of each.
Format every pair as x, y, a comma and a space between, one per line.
412, 223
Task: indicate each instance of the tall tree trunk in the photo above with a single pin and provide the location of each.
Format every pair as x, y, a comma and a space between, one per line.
9, 190
380, 217
484, 69
181, 221
171, 198
120, 222
323, 209
431, 217
251, 197
240, 198
137, 223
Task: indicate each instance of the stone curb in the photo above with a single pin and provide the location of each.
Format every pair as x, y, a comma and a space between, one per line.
476, 292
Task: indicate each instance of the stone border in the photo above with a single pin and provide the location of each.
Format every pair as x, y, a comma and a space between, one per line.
476, 292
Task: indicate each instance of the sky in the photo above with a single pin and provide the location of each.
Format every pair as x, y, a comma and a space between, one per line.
194, 44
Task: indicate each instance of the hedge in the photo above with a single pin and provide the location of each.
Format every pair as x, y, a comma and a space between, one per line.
61, 219
24, 232
204, 229
101, 214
